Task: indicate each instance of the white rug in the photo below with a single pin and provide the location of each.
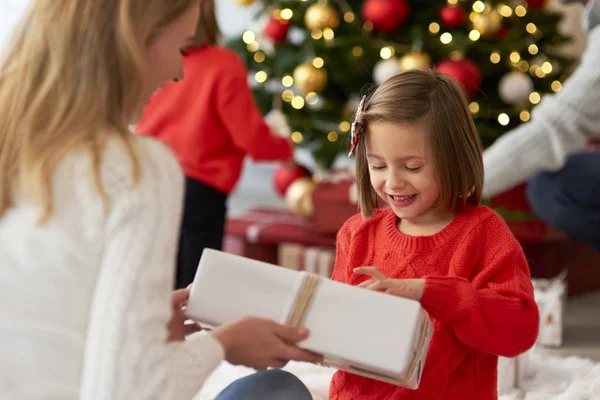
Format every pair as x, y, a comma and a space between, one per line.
555, 378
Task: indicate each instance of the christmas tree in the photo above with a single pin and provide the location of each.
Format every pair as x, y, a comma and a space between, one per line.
314, 59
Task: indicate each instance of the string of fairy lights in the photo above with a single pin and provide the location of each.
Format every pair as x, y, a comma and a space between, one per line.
302, 88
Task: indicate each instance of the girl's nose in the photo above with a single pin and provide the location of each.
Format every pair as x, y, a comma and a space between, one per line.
394, 182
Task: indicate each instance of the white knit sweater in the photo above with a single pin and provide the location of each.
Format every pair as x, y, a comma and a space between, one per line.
561, 124
85, 298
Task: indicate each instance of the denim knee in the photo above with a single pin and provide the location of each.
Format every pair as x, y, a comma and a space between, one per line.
272, 384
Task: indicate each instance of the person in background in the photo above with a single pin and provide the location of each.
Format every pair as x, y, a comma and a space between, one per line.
90, 214
547, 152
211, 123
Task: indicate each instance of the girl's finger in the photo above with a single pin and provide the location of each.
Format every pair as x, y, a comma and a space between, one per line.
373, 271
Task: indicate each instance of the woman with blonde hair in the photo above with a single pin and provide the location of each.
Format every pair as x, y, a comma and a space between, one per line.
89, 217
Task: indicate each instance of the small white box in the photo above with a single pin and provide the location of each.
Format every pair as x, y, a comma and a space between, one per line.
550, 296
367, 333
513, 371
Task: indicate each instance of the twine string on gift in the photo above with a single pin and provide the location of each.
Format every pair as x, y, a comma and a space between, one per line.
517, 368
304, 300
301, 308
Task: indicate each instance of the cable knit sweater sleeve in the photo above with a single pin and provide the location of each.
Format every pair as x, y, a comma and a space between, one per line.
126, 356
494, 310
240, 115
561, 125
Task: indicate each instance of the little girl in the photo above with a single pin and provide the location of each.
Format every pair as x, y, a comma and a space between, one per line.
417, 149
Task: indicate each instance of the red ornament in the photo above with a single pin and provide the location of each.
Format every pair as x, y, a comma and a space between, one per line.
535, 3
386, 15
284, 176
453, 17
502, 33
465, 72
277, 29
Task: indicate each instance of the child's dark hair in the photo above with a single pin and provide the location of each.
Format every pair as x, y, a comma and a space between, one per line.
439, 103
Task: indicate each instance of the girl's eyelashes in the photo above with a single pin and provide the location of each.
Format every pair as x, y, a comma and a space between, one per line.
382, 167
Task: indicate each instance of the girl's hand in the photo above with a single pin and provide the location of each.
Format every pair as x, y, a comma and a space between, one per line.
407, 288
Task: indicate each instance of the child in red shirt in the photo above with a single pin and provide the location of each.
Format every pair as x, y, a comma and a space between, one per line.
211, 122
417, 149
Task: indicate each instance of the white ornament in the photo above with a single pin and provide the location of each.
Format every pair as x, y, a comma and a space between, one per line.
278, 123
385, 69
515, 87
296, 35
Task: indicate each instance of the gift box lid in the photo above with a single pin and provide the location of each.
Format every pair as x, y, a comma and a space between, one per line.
274, 226
359, 330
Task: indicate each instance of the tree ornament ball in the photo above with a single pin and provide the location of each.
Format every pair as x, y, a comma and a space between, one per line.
385, 69
414, 60
285, 175
533, 4
245, 3
277, 29
465, 71
308, 78
387, 16
487, 23
298, 197
515, 87
320, 16
453, 16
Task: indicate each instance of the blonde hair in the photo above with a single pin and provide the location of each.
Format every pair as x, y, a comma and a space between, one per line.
439, 103
71, 79
207, 29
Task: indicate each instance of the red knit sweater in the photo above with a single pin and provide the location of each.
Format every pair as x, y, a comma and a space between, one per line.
210, 119
478, 293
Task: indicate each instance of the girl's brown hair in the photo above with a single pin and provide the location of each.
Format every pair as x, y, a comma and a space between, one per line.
439, 103
71, 79
207, 30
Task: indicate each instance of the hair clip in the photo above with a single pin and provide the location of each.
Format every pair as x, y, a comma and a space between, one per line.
357, 129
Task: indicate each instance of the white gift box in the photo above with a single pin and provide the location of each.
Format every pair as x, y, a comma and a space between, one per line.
367, 333
512, 372
550, 297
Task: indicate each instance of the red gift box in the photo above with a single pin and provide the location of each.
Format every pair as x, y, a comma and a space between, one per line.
333, 204
514, 207
274, 226
259, 233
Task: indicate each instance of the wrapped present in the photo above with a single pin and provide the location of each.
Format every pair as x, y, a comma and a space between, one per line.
269, 226
512, 372
550, 296
335, 199
316, 260
228, 287
514, 207
258, 251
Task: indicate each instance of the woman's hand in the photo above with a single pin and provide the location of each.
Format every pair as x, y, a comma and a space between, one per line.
408, 288
177, 327
260, 343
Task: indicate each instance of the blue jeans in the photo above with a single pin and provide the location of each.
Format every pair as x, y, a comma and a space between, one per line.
273, 384
569, 199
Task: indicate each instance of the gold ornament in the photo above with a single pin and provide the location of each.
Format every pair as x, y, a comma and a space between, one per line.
298, 197
308, 78
245, 3
320, 16
488, 23
414, 60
